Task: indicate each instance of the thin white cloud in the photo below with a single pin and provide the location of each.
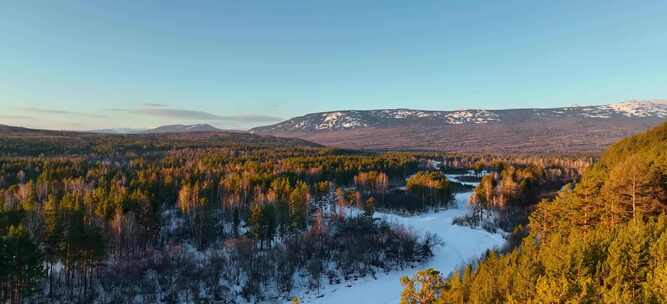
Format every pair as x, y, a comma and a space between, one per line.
155, 105
15, 117
58, 112
200, 115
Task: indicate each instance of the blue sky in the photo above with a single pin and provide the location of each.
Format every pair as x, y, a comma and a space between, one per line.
237, 64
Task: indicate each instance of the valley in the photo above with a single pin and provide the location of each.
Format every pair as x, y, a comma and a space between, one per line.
238, 217
460, 245
333, 152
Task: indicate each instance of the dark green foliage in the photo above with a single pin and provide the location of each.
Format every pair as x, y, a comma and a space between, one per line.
20, 265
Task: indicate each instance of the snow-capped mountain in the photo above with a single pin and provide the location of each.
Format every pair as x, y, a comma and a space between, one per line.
578, 128
340, 120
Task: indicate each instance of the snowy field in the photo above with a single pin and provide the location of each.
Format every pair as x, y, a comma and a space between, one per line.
461, 245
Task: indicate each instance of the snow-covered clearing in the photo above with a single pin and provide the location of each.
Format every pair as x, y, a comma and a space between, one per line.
461, 245
455, 178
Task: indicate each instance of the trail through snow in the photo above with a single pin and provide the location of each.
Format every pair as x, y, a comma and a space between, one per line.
461, 245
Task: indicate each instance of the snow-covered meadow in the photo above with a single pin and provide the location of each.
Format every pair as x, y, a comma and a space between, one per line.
460, 245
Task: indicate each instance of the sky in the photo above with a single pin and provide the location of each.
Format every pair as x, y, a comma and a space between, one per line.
85, 65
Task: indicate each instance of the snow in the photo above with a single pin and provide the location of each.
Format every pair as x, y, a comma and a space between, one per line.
461, 246
640, 108
632, 109
471, 116
330, 120
455, 178
596, 116
300, 125
337, 120
356, 119
401, 113
173, 221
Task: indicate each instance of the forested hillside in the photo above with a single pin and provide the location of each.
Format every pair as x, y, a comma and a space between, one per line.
196, 218
15, 141
601, 240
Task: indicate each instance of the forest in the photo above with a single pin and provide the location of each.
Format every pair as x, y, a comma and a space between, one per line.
602, 239
194, 221
217, 218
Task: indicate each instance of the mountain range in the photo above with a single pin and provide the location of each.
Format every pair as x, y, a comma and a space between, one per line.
555, 130
577, 129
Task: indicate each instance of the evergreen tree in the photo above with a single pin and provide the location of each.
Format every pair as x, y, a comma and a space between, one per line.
20, 264
298, 202
425, 288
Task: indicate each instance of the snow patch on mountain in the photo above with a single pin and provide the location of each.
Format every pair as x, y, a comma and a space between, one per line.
630, 109
357, 119
339, 120
471, 116
640, 108
404, 114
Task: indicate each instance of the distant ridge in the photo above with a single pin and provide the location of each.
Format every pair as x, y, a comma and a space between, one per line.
182, 129
6, 128
24, 141
178, 128
118, 131
554, 130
